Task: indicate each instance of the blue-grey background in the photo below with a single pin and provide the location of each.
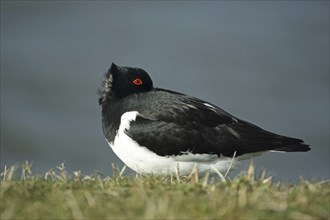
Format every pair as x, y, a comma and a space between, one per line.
265, 62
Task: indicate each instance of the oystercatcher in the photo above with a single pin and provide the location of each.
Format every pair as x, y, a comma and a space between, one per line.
159, 131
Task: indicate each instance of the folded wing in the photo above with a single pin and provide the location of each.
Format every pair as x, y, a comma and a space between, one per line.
175, 126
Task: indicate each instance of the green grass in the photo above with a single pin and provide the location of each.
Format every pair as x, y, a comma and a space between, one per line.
59, 195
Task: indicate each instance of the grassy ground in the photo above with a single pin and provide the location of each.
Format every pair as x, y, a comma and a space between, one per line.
59, 195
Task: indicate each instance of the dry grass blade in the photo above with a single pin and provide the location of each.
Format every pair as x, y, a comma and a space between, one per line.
250, 172
8, 173
205, 179
177, 172
231, 164
223, 179
122, 171
26, 170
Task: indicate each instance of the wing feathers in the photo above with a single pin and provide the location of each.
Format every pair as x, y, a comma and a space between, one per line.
173, 124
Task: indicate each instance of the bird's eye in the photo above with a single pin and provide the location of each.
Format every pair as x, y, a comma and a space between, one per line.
137, 81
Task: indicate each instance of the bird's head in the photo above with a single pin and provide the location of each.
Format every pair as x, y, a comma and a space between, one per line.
121, 81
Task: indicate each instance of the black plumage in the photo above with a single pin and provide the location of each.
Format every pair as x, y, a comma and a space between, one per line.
170, 123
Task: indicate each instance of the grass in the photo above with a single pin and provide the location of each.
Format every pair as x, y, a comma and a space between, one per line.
59, 195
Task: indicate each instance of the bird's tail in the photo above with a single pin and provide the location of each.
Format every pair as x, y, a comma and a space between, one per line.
254, 139
293, 145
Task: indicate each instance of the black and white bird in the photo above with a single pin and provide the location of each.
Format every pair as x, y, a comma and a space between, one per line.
159, 131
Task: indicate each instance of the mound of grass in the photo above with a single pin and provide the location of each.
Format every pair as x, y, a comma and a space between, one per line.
59, 195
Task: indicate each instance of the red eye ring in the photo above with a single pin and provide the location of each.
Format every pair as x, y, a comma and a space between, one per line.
137, 81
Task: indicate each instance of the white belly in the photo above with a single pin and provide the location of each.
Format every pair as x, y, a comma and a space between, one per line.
144, 161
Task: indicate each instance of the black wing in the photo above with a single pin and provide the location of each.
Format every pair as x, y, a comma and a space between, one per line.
175, 124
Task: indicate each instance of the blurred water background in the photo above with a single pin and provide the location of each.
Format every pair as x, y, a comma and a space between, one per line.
266, 62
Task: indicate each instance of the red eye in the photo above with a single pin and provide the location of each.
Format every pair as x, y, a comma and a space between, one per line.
137, 81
